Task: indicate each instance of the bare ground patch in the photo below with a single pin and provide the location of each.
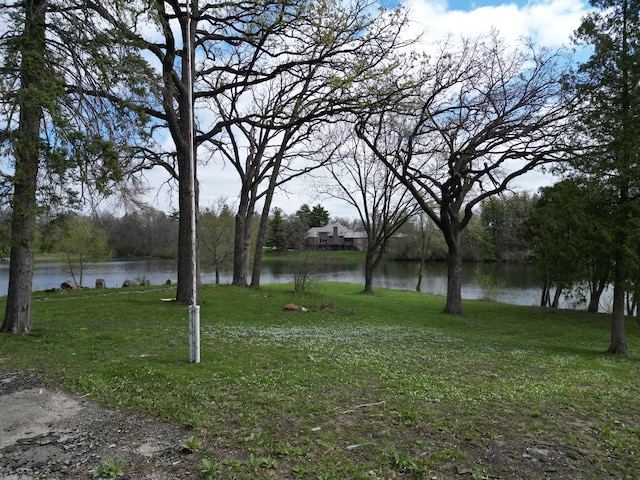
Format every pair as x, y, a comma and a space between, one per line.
47, 433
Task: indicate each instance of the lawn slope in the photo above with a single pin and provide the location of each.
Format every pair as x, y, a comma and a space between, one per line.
360, 386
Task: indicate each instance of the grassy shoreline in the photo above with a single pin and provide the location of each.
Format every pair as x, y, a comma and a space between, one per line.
362, 387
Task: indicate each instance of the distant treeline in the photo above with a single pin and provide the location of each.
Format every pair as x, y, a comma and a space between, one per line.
496, 233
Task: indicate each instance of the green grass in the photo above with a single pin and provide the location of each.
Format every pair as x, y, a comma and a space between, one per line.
382, 386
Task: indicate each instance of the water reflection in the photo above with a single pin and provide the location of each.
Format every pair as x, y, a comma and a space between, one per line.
520, 286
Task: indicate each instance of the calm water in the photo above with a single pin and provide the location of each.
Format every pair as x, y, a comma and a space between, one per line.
520, 286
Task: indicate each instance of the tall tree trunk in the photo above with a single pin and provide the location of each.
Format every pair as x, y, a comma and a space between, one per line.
596, 294
545, 298
262, 230
420, 275
556, 298
18, 309
454, 276
369, 267
425, 240
244, 229
257, 256
264, 220
186, 251
186, 151
240, 254
242, 239
618, 344
27, 155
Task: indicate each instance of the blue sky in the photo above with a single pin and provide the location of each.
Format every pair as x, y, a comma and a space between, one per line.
467, 6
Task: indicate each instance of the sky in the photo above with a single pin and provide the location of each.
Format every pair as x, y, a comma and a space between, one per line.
549, 22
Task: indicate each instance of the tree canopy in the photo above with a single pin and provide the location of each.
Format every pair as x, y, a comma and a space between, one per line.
471, 119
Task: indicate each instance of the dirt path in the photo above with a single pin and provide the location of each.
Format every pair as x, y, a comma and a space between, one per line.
46, 433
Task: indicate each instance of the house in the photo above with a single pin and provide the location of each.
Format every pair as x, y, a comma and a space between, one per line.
335, 236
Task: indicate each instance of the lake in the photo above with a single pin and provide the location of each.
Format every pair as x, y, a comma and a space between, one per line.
520, 284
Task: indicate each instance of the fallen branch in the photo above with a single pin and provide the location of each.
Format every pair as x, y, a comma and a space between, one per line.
364, 405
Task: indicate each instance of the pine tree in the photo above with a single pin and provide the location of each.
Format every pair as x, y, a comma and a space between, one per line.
609, 86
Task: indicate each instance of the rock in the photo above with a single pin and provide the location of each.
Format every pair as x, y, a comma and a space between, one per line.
69, 285
135, 283
291, 306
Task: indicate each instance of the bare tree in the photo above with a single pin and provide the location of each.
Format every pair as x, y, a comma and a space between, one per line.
383, 203
216, 237
269, 126
480, 115
84, 244
289, 56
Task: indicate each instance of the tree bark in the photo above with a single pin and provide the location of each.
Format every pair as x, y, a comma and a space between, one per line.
183, 134
262, 230
596, 294
420, 275
369, 267
618, 344
454, 276
240, 250
556, 298
186, 252
27, 155
18, 309
257, 256
545, 299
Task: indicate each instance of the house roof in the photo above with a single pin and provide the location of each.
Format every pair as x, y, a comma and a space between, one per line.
328, 230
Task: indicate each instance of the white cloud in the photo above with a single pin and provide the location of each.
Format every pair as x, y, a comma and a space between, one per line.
549, 22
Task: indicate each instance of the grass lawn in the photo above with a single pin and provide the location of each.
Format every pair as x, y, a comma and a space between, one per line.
358, 387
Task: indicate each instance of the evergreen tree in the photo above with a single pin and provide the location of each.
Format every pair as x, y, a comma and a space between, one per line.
304, 214
55, 137
277, 235
608, 84
33, 96
319, 216
570, 231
